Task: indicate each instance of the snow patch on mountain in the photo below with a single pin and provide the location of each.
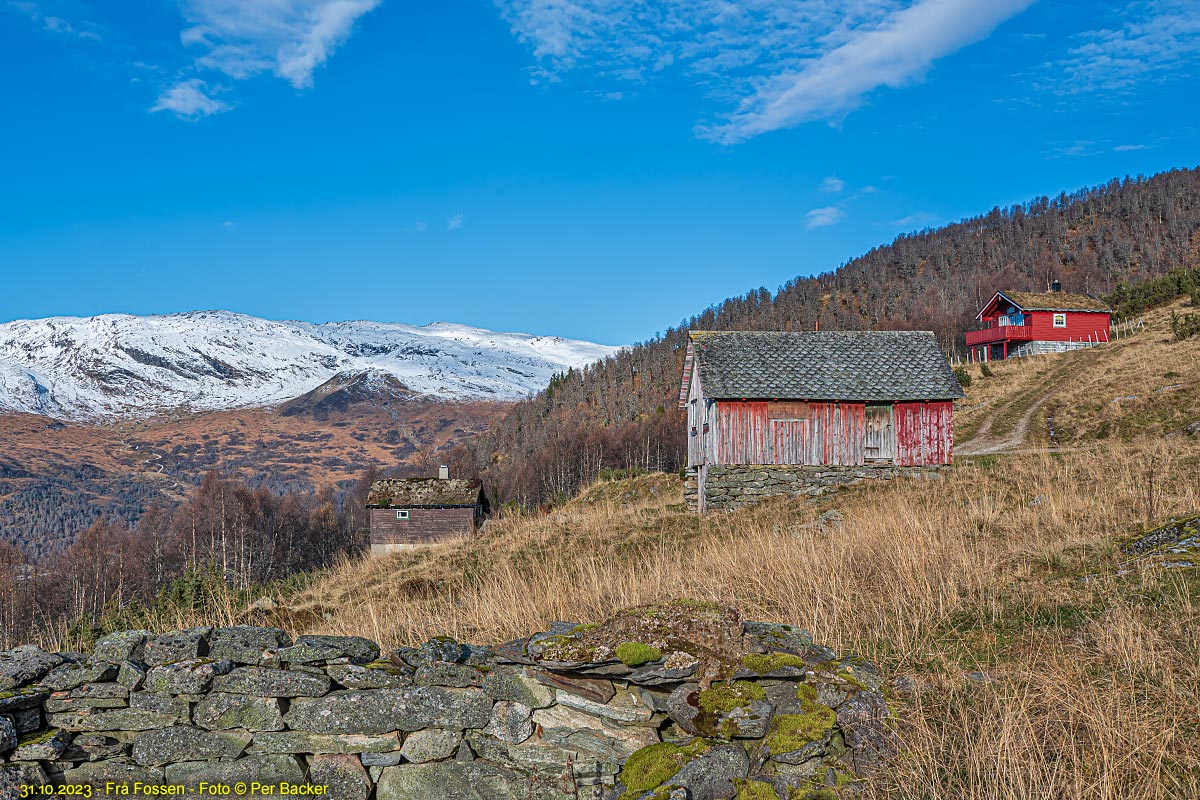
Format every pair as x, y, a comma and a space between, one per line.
118, 365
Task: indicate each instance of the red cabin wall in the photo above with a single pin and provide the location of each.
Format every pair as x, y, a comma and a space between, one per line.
830, 433
1080, 325
924, 433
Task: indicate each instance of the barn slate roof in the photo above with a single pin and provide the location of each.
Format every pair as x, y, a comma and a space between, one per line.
401, 492
823, 365
1055, 301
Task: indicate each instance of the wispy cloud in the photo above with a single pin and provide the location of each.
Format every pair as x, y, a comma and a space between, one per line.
833, 184
454, 223
53, 23
1126, 148
917, 220
1140, 41
245, 38
417, 227
823, 217
191, 100
775, 64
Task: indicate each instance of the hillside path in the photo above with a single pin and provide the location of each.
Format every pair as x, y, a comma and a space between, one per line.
985, 443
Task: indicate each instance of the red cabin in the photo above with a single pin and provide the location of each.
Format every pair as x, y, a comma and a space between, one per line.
838, 398
1031, 323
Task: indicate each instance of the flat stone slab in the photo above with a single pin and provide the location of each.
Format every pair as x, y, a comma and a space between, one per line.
98, 773
450, 780
305, 742
513, 683
121, 719
177, 646
354, 676
223, 711
122, 646
310, 649
247, 644
24, 664
430, 745
179, 742
267, 682
270, 770
192, 676
343, 776
382, 710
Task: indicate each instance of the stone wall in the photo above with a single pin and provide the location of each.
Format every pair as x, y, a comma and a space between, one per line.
553, 717
731, 487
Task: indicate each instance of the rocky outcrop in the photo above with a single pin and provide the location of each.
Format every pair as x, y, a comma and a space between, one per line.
682, 700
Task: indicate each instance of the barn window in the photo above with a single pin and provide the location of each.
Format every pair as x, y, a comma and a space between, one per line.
402, 514
1060, 320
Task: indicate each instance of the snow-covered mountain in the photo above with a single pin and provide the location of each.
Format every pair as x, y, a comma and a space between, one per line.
122, 365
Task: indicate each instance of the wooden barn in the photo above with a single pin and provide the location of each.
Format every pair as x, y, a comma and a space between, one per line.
839, 398
1030, 323
406, 513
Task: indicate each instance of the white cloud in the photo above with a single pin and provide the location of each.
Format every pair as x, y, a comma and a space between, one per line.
1142, 40
291, 38
823, 217
190, 100
1125, 148
833, 184
454, 223
775, 63
917, 220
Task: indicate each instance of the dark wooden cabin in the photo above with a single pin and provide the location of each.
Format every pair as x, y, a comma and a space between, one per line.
842, 398
1031, 323
406, 513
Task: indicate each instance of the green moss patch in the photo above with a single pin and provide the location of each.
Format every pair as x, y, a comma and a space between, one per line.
634, 654
723, 698
755, 790
769, 662
653, 766
792, 732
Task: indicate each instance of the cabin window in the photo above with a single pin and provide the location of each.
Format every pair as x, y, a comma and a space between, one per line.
1060, 320
692, 416
402, 514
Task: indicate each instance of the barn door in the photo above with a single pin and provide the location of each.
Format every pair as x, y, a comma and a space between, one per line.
880, 436
789, 441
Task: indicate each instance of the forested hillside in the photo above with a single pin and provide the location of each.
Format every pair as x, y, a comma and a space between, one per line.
620, 413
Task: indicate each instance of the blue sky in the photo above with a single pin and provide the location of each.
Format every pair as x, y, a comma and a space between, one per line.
598, 169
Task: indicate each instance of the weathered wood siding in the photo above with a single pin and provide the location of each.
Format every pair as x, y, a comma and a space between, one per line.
702, 424
880, 444
423, 526
761, 432
924, 433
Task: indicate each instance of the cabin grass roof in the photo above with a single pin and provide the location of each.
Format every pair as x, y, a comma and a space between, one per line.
857, 366
423, 492
1053, 301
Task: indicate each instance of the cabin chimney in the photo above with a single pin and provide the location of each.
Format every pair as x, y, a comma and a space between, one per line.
443, 473
1056, 286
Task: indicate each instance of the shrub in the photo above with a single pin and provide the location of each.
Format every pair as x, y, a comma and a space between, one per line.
985, 370
964, 377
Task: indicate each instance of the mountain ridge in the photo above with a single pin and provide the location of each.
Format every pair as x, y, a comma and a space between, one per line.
124, 365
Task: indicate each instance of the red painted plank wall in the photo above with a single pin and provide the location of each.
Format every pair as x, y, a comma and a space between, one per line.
832, 433
1080, 325
924, 433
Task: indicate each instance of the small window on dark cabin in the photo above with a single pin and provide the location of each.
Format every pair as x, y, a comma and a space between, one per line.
402, 514
1060, 320
787, 409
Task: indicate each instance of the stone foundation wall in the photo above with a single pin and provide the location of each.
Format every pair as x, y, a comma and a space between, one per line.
732, 487
247, 707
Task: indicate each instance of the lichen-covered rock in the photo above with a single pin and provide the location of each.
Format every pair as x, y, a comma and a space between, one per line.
769, 636
247, 644
343, 776
48, 746
376, 675
60, 702
626, 706
574, 730
122, 646
94, 747
265, 769
98, 773
118, 719
130, 675
177, 646
267, 682
181, 742
8, 735
25, 664
450, 780
513, 683
443, 673
382, 710
179, 705
430, 745
21, 699
69, 676
305, 742
511, 722
192, 676
712, 776
597, 690
27, 720
441, 648
312, 649
220, 711
864, 720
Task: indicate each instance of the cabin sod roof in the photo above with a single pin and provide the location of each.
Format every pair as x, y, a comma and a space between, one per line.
859, 366
423, 492
1054, 301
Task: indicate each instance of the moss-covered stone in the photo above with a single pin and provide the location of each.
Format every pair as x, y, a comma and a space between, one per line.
634, 654
653, 766
764, 663
723, 698
793, 732
756, 790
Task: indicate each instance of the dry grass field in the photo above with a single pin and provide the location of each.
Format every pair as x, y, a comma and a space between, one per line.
1030, 655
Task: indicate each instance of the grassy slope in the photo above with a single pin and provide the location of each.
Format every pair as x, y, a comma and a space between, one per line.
1010, 565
